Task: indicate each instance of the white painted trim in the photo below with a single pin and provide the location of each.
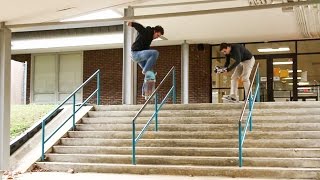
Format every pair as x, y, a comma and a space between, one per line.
5, 88
32, 66
185, 73
57, 77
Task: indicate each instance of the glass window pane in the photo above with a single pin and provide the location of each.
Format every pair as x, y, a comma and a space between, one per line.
70, 72
263, 79
221, 83
309, 46
308, 75
216, 52
282, 79
44, 74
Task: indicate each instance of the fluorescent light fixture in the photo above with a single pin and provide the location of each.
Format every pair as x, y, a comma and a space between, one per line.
300, 83
68, 41
288, 78
104, 14
306, 93
274, 50
291, 71
303, 83
303, 88
282, 63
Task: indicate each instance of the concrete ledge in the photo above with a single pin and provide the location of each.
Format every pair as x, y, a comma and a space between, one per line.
30, 152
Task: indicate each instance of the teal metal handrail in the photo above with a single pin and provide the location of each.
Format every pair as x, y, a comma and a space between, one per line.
251, 100
172, 92
74, 110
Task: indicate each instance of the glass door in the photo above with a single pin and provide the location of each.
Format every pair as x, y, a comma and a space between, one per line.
278, 77
282, 79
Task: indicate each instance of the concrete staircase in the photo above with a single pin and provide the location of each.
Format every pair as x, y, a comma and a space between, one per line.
197, 140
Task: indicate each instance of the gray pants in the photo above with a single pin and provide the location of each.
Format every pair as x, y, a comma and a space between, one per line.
242, 70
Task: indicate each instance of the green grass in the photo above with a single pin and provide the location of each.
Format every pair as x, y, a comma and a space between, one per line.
24, 116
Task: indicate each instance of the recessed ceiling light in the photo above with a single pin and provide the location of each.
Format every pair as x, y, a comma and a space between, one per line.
282, 63
274, 50
291, 71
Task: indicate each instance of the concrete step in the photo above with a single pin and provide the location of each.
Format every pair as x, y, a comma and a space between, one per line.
264, 105
186, 160
196, 135
165, 113
205, 113
187, 151
204, 120
252, 172
212, 143
201, 127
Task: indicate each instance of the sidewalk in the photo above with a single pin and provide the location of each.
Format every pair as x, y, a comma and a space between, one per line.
98, 176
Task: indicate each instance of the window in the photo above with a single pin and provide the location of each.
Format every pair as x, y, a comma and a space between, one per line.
55, 76
308, 46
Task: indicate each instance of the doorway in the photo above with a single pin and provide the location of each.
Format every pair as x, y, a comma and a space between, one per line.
278, 77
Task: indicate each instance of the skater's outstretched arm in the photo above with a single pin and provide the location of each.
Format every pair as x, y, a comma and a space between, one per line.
137, 26
227, 61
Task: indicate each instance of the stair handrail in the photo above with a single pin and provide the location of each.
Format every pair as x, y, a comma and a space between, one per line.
74, 110
155, 114
251, 100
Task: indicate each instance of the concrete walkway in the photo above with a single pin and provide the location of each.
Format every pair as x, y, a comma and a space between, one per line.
98, 176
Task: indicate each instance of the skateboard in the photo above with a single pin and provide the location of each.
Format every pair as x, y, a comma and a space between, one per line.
149, 84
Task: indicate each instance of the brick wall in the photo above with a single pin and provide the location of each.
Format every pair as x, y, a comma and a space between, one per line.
109, 61
23, 58
110, 64
200, 75
168, 56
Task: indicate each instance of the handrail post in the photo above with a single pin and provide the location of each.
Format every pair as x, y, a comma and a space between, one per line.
98, 87
73, 96
240, 144
42, 141
174, 98
318, 95
258, 86
133, 143
156, 110
250, 110
251, 98
155, 95
74, 112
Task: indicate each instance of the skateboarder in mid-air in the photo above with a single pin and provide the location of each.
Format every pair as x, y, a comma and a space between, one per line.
143, 55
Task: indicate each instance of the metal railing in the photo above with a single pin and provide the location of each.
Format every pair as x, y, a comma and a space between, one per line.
74, 110
251, 99
157, 108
